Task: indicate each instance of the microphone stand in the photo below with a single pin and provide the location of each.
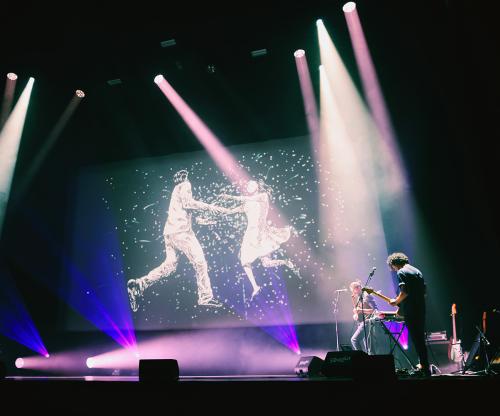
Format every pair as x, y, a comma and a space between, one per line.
485, 344
335, 312
360, 300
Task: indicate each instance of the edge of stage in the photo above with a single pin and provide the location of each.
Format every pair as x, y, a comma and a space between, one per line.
125, 394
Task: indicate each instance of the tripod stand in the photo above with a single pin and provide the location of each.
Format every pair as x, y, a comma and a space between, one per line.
482, 344
335, 312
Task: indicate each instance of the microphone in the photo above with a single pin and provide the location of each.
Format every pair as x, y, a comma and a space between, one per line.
372, 272
341, 290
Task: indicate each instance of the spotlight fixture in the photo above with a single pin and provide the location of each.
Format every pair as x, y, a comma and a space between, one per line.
319, 22
299, 53
167, 43
80, 93
89, 362
158, 79
12, 76
114, 81
19, 363
349, 7
211, 69
258, 52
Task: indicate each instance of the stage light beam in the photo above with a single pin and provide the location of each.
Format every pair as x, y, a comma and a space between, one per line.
351, 220
310, 107
8, 97
47, 145
388, 150
10, 139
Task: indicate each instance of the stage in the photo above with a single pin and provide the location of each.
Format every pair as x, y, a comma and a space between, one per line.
221, 395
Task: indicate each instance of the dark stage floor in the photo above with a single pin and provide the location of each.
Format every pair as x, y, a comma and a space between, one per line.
228, 395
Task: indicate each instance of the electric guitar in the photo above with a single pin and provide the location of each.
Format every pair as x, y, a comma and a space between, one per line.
370, 291
455, 353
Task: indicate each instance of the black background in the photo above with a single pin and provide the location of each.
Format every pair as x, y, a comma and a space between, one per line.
437, 63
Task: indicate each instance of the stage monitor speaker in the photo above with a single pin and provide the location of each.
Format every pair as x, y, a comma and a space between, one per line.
161, 370
437, 352
309, 366
359, 366
474, 359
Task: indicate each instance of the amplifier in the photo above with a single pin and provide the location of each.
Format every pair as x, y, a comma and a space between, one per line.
436, 336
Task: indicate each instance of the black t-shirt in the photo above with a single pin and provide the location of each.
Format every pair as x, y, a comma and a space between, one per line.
412, 283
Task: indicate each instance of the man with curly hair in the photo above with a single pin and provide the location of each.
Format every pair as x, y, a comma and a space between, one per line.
411, 301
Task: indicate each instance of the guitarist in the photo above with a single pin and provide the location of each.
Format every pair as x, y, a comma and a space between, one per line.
411, 301
369, 308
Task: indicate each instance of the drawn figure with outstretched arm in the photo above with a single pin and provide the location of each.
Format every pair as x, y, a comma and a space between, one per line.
260, 239
179, 238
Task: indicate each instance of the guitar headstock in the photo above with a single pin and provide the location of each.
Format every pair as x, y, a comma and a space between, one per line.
454, 309
368, 290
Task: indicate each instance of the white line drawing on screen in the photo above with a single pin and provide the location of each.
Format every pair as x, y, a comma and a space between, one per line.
260, 238
179, 237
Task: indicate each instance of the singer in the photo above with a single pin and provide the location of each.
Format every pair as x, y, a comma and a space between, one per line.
411, 302
369, 308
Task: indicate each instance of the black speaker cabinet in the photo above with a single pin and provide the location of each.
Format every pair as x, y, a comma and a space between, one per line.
158, 370
309, 366
3, 370
359, 366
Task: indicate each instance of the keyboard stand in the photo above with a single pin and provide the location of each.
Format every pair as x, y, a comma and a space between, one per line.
395, 340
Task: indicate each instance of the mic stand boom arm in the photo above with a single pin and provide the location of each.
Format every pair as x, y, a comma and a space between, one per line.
360, 300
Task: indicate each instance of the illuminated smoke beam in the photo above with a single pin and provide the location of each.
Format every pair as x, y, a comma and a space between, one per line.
277, 316
398, 202
15, 320
8, 97
224, 160
10, 138
373, 94
351, 213
235, 351
370, 146
96, 294
308, 97
47, 145
66, 362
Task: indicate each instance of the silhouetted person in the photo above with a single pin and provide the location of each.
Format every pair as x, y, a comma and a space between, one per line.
411, 301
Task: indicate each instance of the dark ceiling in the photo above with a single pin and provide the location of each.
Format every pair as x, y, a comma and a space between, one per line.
438, 64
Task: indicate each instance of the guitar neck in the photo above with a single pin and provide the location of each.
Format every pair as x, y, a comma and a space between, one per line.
388, 300
454, 328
